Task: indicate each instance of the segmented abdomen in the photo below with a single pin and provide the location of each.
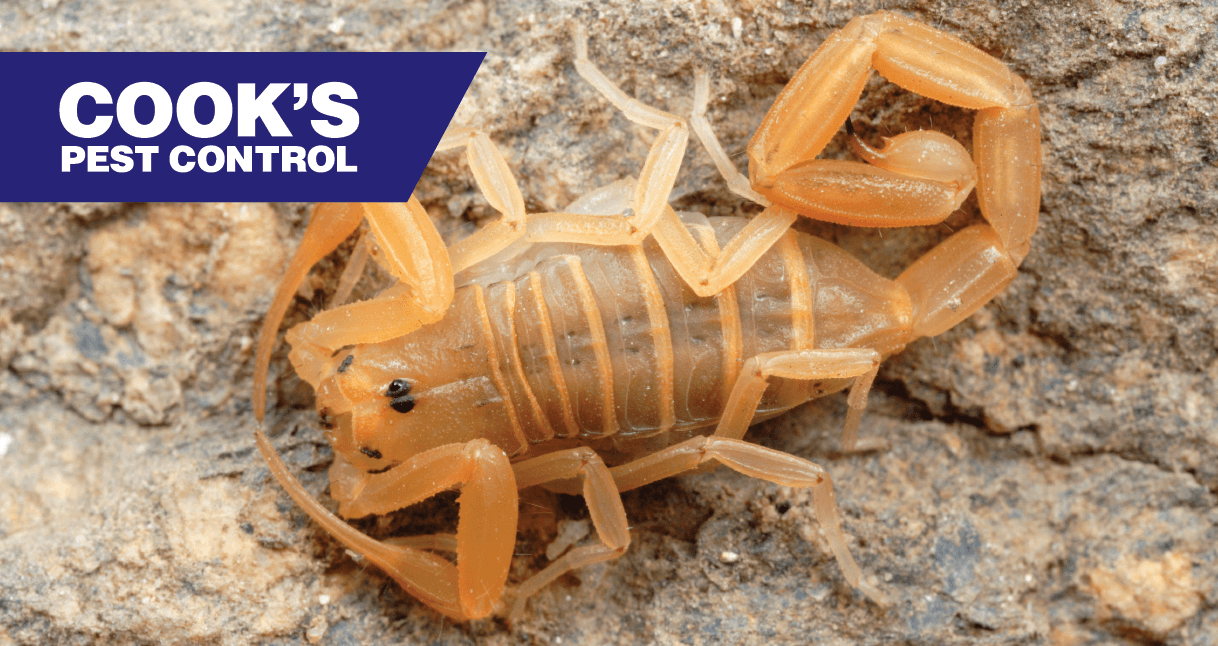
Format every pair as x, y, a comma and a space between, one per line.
600, 341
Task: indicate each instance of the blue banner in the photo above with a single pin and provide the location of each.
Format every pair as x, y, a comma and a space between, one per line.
212, 127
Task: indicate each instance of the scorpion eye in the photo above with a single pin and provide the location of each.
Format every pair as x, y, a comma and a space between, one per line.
342, 367
402, 404
398, 393
397, 388
372, 453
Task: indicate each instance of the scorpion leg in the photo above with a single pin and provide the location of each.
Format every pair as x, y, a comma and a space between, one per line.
604, 505
655, 181
757, 462
651, 192
736, 181
351, 273
486, 530
496, 182
807, 365
494, 178
726, 447
433, 542
706, 272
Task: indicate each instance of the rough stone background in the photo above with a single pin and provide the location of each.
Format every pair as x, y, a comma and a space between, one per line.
1054, 464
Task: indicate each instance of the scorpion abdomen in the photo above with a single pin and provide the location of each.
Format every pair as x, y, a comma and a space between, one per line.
595, 342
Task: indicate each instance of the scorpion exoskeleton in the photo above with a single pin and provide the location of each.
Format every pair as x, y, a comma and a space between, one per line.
622, 328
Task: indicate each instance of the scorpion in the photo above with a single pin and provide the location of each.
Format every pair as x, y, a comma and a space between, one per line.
620, 342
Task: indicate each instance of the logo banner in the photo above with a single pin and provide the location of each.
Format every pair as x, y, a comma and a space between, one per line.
219, 127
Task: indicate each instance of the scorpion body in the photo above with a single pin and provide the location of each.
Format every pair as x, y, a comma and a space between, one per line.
600, 349
609, 344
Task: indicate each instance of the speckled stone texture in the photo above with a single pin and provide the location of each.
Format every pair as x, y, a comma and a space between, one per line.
1054, 460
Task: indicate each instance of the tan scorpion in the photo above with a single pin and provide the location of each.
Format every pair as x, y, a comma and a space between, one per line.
604, 348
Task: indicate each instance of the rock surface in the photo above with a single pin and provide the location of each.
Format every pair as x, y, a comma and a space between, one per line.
1054, 464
